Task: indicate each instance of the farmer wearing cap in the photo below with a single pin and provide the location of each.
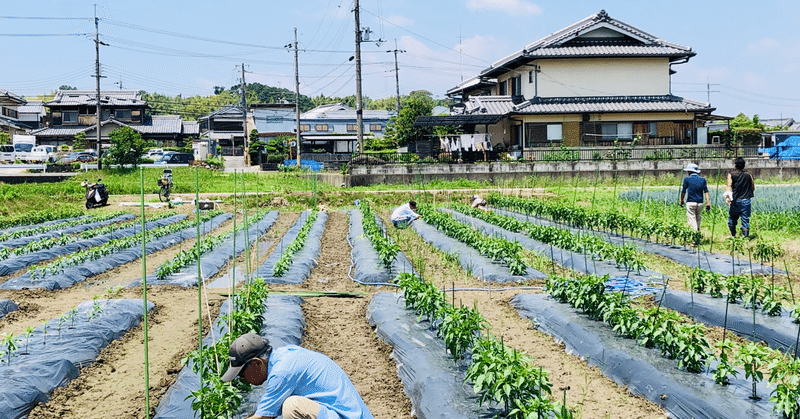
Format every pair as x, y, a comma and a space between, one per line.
479, 203
696, 188
300, 383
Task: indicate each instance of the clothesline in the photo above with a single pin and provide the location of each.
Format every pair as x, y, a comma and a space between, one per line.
466, 142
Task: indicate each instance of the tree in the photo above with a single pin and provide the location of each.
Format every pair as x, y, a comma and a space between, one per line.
401, 129
66, 87
127, 146
79, 141
4, 138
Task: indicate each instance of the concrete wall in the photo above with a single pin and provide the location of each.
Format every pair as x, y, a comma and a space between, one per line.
496, 172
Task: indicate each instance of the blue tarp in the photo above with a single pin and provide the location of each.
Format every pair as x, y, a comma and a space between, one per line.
787, 149
305, 164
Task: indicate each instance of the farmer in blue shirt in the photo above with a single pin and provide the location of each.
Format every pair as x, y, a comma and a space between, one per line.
404, 214
696, 188
301, 384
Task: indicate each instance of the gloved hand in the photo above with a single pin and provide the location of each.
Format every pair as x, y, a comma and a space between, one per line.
708, 208
728, 195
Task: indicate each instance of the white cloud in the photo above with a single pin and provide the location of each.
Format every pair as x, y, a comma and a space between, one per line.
399, 20
512, 7
764, 45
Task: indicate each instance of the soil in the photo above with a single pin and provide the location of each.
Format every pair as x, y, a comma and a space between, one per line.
115, 386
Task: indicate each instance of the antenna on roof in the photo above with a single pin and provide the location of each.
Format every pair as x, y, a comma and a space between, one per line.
119, 83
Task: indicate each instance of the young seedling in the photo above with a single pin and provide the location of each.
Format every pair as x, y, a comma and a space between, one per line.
27, 335
96, 310
44, 332
61, 320
9, 344
73, 312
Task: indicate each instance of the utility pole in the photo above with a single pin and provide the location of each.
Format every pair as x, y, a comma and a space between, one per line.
709, 91
244, 121
396, 73
359, 107
297, 96
97, 78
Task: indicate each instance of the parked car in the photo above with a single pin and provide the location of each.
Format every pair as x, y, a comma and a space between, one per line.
77, 156
172, 157
42, 154
153, 153
7, 153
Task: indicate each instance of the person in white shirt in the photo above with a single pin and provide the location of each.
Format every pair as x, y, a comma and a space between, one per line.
404, 214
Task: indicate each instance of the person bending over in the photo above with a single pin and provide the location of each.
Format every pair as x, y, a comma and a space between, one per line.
404, 214
301, 383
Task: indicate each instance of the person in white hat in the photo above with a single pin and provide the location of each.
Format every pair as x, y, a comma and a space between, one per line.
479, 203
300, 383
695, 192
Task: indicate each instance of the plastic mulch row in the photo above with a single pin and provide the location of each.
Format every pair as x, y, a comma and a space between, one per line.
469, 258
302, 261
367, 267
55, 358
214, 260
643, 371
74, 274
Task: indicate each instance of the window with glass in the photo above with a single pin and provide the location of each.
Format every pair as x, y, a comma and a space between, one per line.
305, 127
503, 88
375, 127
321, 127
352, 127
516, 85
540, 134
69, 117
124, 114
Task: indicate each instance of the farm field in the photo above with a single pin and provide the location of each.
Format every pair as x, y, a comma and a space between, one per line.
336, 307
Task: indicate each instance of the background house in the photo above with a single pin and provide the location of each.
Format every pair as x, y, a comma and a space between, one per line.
226, 127
75, 111
32, 114
9, 114
596, 82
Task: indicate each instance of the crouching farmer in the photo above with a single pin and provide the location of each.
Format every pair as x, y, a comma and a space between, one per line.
301, 384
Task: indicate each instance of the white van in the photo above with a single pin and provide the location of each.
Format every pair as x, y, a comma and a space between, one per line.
7, 154
43, 154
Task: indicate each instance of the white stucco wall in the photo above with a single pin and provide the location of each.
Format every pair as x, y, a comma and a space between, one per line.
596, 77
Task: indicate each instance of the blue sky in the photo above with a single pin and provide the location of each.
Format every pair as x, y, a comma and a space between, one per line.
748, 52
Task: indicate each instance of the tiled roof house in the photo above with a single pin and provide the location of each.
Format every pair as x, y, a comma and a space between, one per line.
593, 82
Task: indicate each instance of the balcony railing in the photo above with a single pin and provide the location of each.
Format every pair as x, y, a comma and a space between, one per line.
566, 154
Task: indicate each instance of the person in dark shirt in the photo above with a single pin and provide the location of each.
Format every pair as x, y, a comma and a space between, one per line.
738, 193
697, 189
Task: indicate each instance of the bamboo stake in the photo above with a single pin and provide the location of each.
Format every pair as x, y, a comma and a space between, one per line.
144, 301
199, 288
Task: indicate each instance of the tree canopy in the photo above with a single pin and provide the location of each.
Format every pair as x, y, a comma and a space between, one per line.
127, 146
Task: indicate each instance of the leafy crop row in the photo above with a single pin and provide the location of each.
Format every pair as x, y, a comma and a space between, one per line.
494, 248
58, 266
217, 399
612, 221
626, 255
114, 227
383, 244
285, 262
498, 374
38, 217
679, 338
207, 243
42, 229
753, 291
49, 242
